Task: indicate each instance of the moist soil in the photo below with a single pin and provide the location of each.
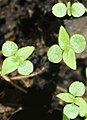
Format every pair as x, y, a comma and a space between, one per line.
31, 22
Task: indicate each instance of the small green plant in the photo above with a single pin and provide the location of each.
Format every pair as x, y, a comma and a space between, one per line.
67, 48
76, 105
76, 9
16, 59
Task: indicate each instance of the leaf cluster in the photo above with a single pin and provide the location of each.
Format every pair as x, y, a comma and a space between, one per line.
16, 59
76, 104
76, 9
67, 48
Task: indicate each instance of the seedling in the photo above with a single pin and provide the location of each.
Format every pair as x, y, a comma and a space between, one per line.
76, 105
67, 48
16, 59
76, 9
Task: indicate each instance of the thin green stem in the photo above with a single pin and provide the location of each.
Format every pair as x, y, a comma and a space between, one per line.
29, 76
12, 83
20, 78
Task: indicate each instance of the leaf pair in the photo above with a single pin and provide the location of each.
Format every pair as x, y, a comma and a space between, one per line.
77, 105
76, 9
16, 58
67, 48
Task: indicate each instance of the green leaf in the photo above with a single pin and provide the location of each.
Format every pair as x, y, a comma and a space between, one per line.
71, 111
23, 53
83, 106
69, 8
86, 115
9, 65
77, 88
77, 9
69, 58
63, 38
54, 54
9, 48
65, 117
66, 97
25, 68
59, 10
78, 43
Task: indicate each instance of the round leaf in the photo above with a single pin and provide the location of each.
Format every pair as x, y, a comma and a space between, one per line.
78, 43
77, 88
23, 53
54, 54
63, 38
77, 9
67, 97
82, 105
71, 111
69, 58
25, 68
59, 10
9, 65
9, 48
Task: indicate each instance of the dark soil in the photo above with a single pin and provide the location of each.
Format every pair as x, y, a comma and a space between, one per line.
31, 22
